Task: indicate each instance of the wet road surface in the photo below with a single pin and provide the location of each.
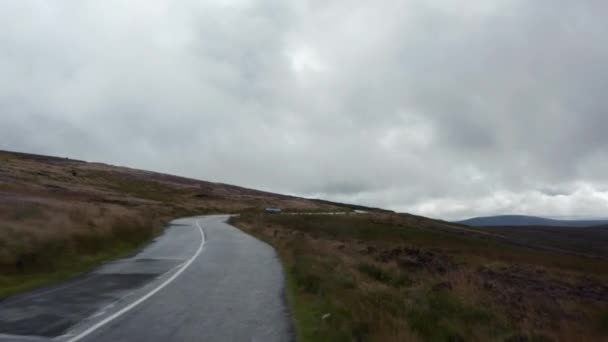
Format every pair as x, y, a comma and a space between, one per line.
202, 280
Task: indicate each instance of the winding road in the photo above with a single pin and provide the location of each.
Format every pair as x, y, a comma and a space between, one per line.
202, 280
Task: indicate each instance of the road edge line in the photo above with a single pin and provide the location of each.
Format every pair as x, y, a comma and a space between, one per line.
147, 295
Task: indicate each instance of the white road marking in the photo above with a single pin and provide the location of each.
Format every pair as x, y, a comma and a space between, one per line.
145, 297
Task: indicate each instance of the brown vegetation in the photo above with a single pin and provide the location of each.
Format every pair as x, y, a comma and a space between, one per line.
375, 277
388, 277
61, 216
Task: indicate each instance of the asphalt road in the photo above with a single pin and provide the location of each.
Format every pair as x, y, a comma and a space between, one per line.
202, 280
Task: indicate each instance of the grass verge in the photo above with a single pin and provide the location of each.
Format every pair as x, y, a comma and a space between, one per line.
60, 217
381, 278
33, 255
64, 268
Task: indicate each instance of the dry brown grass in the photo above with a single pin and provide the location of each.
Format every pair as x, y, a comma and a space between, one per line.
58, 214
387, 279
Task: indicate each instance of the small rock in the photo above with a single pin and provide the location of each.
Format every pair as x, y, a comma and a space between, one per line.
326, 316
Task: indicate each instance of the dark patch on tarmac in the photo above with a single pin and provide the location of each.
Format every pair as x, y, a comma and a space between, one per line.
52, 314
234, 293
139, 266
178, 225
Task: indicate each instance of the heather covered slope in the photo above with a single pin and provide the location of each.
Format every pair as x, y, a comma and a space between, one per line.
378, 276
399, 277
589, 241
523, 220
60, 216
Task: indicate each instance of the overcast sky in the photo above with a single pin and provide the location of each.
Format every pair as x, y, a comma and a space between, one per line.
449, 109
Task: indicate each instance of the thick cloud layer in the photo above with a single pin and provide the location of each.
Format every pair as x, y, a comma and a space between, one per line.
443, 108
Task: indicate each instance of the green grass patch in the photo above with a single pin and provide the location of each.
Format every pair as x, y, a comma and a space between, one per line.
441, 316
24, 212
40, 262
602, 323
389, 277
63, 268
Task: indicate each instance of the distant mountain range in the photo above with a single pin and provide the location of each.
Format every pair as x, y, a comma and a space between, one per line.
523, 220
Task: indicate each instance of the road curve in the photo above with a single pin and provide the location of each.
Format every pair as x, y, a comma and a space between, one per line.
202, 280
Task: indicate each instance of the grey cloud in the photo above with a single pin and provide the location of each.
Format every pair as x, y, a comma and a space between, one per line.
435, 107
